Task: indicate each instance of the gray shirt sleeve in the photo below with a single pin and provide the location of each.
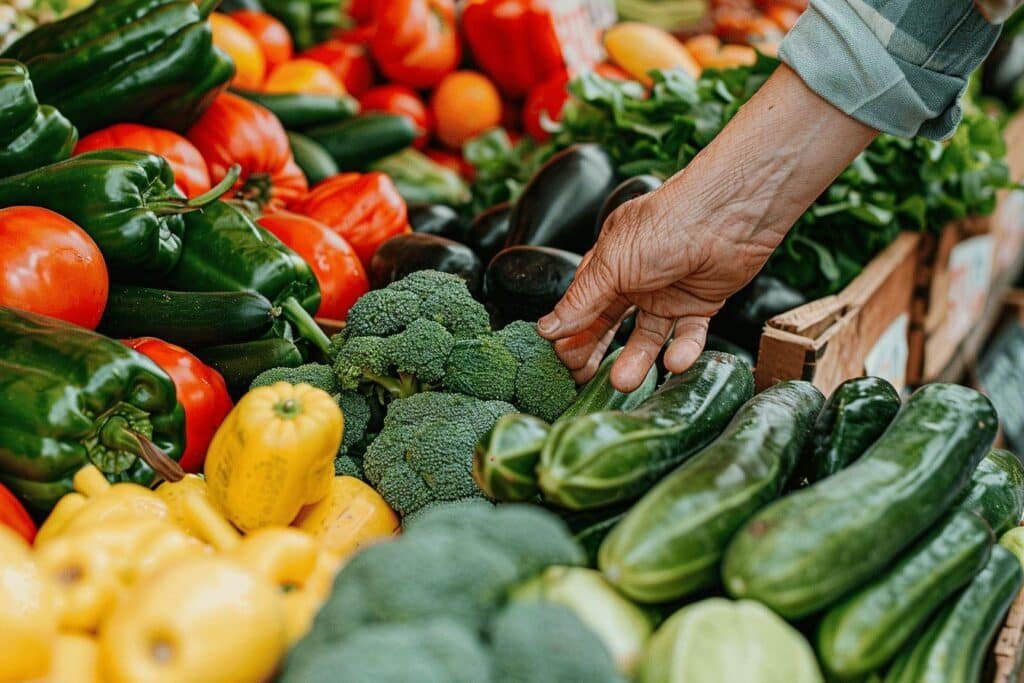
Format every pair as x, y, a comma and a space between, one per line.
900, 66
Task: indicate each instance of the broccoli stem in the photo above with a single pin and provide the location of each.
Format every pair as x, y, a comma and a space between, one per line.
404, 386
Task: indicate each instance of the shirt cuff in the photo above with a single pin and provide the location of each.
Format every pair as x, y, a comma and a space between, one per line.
839, 57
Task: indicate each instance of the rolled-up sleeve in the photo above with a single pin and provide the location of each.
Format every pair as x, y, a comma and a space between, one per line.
900, 66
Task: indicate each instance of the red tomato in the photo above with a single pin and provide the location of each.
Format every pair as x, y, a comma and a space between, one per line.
271, 35
201, 392
335, 263
190, 172
51, 266
14, 516
349, 61
398, 99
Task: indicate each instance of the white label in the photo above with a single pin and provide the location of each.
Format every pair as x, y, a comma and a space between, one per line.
889, 356
579, 25
1009, 222
970, 275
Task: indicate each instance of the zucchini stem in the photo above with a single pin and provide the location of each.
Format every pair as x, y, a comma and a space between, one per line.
174, 205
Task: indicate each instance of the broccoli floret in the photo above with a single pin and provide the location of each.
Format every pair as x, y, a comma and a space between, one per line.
382, 312
436, 651
357, 413
482, 367
421, 350
315, 374
544, 387
445, 299
424, 452
348, 466
547, 643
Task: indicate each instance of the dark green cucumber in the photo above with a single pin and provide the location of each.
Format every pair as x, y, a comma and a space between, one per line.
591, 527
804, 552
855, 415
298, 111
996, 493
869, 627
191, 319
506, 457
671, 543
611, 456
315, 162
356, 143
955, 645
240, 363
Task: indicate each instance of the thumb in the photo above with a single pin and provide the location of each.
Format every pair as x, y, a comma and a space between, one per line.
589, 294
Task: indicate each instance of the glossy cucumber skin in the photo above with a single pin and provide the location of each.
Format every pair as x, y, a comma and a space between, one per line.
954, 647
853, 418
240, 363
599, 394
312, 158
357, 142
506, 457
671, 542
868, 628
804, 552
996, 493
611, 456
300, 110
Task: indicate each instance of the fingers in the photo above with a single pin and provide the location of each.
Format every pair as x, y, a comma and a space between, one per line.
577, 350
641, 351
590, 293
585, 373
690, 337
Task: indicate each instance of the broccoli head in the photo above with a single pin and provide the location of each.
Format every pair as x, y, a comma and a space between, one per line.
435, 651
424, 452
541, 642
358, 414
315, 374
482, 367
544, 386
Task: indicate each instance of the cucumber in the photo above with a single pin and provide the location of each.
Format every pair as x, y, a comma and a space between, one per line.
297, 110
358, 142
954, 647
240, 363
191, 319
996, 493
591, 527
855, 415
671, 543
804, 552
868, 628
611, 456
599, 394
315, 162
506, 456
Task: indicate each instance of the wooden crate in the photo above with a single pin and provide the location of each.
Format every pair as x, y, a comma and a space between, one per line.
862, 330
1008, 220
1008, 650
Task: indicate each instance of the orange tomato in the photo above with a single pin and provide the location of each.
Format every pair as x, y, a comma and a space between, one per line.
245, 52
349, 62
465, 104
303, 76
273, 38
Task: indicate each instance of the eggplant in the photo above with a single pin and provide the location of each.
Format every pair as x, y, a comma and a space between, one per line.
525, 283
560, 204
436, 219
404, 254
488, 231
742, 318
628, 189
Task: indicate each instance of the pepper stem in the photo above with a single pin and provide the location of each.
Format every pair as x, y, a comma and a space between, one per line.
206, 7
174, 205
305, 325
118, 435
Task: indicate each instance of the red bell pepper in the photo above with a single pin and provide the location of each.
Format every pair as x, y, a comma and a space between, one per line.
365, 209
415, 41
513, 41
398, 99
338, 271
549, 97
14, 516
350, 62
201, 392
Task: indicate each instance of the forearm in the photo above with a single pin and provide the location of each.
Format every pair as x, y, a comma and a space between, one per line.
779, 153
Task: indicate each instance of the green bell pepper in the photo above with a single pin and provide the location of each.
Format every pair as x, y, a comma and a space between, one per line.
30, 135
225, 251
124, 199
70, 397
148, 61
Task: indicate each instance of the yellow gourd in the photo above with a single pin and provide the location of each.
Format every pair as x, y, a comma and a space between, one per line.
350, 517
75, 659
28, 620
639, 48
274, 454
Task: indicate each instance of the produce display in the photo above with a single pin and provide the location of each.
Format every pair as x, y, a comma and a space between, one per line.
274, 405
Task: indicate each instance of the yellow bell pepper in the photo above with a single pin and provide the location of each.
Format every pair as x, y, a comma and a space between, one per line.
352, 516
192, 509
28, 620
274, 454
75, 659
201, 620
639, 48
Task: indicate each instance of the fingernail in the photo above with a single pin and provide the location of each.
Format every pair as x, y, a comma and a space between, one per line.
548, 325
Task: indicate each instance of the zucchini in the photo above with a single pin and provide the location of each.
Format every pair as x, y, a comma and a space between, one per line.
240, 363
599, 394
315, 162
996, 493
298, 110
611, 456
591, 527
853, 418
190, 319
954, 647
356, 143
671, 543
868, 628
807, 550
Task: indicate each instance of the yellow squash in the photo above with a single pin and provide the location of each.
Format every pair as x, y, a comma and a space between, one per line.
350, 517
274, 454
639, 48
28, 620
75, 660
